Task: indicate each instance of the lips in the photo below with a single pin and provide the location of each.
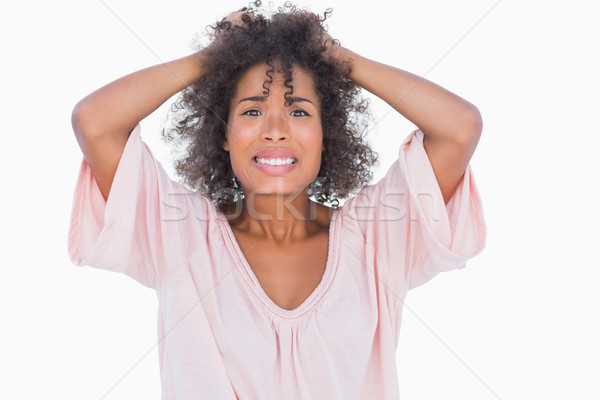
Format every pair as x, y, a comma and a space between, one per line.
274, 153
275, 161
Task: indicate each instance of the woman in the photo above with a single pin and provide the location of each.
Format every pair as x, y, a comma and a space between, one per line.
263, 292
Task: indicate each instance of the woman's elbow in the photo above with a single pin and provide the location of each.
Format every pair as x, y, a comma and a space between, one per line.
471, 127
82, 121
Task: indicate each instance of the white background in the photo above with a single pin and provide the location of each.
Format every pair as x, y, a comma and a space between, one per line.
520, 322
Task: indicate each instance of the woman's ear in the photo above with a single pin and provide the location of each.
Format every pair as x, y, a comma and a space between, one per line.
225, 145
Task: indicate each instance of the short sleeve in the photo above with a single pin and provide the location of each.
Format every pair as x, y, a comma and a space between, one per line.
148, 225
414, 235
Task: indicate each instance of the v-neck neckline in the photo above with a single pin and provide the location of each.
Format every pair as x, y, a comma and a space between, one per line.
250, 277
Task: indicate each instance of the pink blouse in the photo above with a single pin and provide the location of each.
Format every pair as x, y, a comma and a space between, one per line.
220, 335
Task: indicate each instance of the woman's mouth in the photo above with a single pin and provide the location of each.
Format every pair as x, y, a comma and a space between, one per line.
275, 161
275, 166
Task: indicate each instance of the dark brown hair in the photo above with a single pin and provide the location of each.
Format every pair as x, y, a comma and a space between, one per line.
289, 37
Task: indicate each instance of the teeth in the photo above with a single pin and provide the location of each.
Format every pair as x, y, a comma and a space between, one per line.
275, 161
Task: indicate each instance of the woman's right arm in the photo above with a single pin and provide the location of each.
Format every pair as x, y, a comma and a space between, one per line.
103, 120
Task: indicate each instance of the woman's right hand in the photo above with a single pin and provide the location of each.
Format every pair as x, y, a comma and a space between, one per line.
233, 19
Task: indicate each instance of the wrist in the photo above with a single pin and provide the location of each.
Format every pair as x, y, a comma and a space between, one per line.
346, 58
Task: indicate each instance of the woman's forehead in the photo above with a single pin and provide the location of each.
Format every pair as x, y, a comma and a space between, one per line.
262, 76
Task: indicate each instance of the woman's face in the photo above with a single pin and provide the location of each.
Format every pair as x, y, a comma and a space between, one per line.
274, 148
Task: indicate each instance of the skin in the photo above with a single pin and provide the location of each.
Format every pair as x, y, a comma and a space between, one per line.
451, 125
283, 234
257, 122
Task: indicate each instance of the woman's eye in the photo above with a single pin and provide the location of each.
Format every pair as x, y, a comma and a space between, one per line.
252, 113
299, 113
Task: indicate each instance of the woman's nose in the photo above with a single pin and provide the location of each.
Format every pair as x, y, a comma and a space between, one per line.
275, 129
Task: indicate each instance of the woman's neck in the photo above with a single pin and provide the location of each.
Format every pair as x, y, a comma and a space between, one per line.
281, 218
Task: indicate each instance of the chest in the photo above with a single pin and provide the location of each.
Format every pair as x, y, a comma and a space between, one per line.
287, 274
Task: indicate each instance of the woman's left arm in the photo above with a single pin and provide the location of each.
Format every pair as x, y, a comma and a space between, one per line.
451, 125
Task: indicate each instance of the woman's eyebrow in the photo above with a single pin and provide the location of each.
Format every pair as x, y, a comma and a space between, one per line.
262, 98
299, 99
253, 98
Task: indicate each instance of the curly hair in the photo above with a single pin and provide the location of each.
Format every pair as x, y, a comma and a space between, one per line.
290, 37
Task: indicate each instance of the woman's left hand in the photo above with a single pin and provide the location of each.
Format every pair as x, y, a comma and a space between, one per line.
335, 50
